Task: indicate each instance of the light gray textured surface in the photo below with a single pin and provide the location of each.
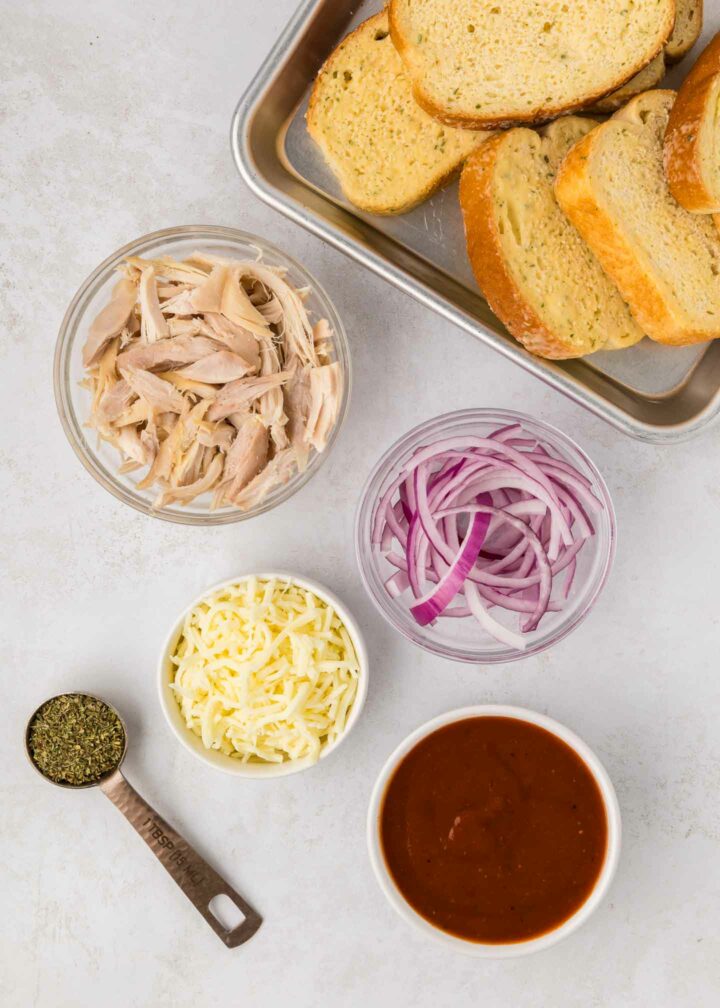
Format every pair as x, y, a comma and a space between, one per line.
115, 120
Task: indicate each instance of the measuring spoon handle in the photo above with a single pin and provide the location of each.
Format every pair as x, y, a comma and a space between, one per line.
196, 878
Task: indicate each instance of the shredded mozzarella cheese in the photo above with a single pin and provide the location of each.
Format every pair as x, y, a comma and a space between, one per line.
265, 671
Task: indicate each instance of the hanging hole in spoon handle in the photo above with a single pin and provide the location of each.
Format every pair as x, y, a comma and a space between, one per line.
200, 883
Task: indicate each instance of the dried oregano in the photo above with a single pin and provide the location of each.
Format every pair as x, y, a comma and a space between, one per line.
76, 739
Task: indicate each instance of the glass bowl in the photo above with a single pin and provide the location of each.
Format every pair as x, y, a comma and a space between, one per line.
464, 639
73, 402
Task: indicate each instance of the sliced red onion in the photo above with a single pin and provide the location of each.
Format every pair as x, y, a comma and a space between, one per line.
494, 522
492, 626
434, 602
544, 577
396, 584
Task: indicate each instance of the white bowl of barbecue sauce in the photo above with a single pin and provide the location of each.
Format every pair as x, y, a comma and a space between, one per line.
494, 830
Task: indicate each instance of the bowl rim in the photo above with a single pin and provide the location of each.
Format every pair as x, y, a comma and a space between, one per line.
220, 761
70, 330
486, 950
365, 508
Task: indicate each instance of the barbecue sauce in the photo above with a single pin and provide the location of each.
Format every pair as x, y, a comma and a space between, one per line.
493, 829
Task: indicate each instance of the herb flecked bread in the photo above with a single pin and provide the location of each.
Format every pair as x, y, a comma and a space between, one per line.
483, 64
692, 139
649, 77
536, 272
664, 260
688, 25
387, 153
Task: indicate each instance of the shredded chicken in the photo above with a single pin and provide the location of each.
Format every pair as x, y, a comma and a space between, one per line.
236, 395
158, 394
153, 325
223, 366
240, 341
168, 354
297, 406
275, 474
209, 378
207, 296
272, 403
325, 389
247, 456
113, 403
110, 322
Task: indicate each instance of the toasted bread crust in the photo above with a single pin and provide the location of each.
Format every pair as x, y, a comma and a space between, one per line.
381, 206
538, 116
488, 261
574, 191
693, 106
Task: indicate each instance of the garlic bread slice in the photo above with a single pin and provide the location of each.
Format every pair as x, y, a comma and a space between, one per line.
537, 274
664, 260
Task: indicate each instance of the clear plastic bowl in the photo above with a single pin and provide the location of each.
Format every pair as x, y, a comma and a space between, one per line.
464, 639
73, 402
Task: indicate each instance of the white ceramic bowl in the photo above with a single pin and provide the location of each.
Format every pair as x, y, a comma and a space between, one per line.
480, 949
219, 760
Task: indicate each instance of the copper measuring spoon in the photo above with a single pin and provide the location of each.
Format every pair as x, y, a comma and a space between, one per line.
200, 883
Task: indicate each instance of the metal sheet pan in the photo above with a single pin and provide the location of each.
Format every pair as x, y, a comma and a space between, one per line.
652, 393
